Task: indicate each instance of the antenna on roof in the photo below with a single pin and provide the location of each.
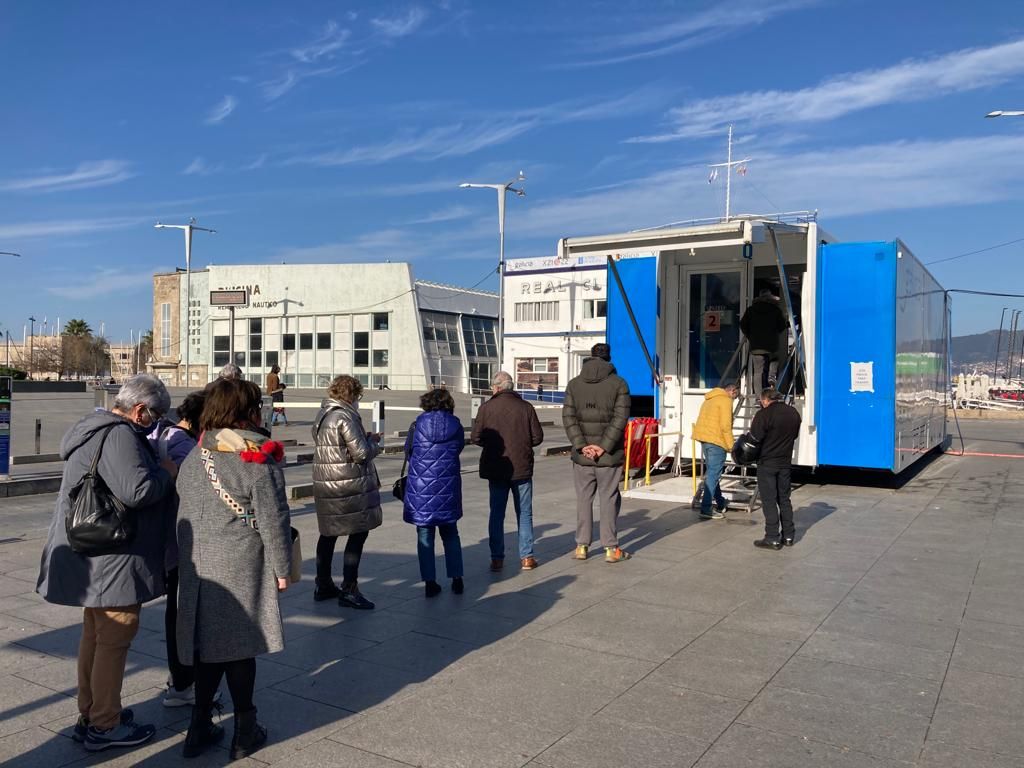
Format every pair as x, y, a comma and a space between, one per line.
728, 165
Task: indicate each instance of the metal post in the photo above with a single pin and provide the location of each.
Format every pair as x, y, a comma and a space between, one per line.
999, 341
39, 435
1013, 337
231, 335
728, 175
31, 345
501, 275
188, 305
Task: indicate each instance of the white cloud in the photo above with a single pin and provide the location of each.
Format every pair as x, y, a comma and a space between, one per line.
331, 40
256, 164
66, 227
837, 181
92, 174
451, 213
464, 138
103, 282
694, 29
400, 26
911, 80
221, 111
199, 167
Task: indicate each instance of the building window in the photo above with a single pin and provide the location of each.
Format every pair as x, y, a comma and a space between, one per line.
536, 311
165, 329
480, 337
240, 359
305, 341
595, 308
380, 358
220, 359
361, 358
288, 341
480, 377
380, 381
271, 359
361, 340
534, 372
380, 321
255, 342
255, 359
222, 344
256, 325
323, 340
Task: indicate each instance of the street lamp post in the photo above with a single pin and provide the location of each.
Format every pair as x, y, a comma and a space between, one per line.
999, 343
501, 189
31, 345
188, 228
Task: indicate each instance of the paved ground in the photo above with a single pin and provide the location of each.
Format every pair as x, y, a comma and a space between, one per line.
890, 635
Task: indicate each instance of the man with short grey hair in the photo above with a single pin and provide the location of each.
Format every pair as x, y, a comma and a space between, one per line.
507, 428
111, 587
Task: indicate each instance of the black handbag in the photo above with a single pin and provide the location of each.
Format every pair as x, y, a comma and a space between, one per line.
97, 523
398, 489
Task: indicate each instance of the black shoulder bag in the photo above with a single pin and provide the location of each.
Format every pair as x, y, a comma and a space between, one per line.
98, 523
398, 489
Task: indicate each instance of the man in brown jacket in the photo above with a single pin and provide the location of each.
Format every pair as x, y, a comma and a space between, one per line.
507, 428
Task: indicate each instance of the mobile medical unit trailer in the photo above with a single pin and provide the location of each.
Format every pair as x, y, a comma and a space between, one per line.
868, 332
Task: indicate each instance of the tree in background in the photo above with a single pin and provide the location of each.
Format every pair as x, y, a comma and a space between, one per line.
78, 328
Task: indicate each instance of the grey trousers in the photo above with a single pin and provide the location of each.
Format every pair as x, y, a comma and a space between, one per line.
603, 482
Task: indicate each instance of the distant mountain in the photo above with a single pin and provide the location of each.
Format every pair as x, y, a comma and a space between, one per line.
978, 349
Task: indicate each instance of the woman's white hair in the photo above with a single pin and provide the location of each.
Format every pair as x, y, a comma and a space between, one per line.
145, 389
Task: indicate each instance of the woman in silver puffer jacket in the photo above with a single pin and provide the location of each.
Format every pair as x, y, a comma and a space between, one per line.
346, 489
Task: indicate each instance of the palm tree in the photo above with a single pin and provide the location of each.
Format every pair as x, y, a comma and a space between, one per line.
78, 328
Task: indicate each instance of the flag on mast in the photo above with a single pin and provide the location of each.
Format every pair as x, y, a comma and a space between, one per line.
713, 176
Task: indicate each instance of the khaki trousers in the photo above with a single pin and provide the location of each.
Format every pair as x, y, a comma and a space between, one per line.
602, 482
106, 635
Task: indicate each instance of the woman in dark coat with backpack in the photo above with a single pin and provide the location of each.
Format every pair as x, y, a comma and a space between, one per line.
433, 492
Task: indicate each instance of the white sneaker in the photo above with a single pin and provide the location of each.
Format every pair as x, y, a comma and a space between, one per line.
185, 698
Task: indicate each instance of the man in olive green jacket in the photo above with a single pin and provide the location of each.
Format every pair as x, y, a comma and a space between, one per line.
594, 414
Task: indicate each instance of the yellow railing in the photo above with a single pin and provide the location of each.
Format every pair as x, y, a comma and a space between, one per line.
629, 443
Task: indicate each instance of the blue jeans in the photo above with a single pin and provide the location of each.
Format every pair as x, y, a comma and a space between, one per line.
714, 459
452, 550
522, 500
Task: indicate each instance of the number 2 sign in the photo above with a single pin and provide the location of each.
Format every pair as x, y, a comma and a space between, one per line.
712, 321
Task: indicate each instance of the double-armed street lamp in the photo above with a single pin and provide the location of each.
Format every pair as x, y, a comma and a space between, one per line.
188, 229
501, 189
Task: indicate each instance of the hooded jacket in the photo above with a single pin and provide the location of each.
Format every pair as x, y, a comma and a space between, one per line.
346, 489
507, 429
763, 324
433, 491
135, 573
595, 412
714, 422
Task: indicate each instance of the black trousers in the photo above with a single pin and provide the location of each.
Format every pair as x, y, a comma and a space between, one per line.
182, 675
241, 677
353, 554
773, 483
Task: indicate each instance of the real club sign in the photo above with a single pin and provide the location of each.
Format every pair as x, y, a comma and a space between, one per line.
229, 298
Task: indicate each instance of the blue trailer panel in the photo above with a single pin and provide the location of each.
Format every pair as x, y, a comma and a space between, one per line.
882, 328
857, 355
640, 281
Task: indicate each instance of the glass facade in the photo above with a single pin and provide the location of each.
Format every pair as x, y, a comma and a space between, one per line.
445, 338
311, 350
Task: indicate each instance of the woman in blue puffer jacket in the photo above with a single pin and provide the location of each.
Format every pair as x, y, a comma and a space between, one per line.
433, 492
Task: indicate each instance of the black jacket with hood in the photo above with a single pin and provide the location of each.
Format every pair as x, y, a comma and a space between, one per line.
595, 412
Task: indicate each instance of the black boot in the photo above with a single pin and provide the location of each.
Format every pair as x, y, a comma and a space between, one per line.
249, 735
202, 732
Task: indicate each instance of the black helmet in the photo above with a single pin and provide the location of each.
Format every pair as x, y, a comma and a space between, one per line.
745, 450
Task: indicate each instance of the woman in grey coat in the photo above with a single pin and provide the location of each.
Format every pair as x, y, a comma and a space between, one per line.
234, 541
346, 490
112, 587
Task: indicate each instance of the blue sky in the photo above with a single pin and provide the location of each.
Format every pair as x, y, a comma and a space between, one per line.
339, 131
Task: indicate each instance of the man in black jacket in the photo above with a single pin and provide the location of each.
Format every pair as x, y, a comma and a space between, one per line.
776, 428
507, 428
764, 325
594, 414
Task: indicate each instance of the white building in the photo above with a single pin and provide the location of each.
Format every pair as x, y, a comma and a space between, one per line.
555, 312
319, 320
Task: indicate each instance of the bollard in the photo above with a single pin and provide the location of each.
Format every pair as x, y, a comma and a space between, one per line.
378, 416
39, 436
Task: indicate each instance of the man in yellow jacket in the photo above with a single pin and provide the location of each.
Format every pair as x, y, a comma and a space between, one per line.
714, 431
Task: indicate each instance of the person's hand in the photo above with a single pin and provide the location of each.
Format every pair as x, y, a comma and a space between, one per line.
282, 584
170, 467
376, 436
597, 452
